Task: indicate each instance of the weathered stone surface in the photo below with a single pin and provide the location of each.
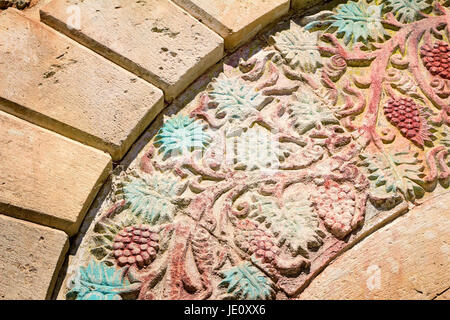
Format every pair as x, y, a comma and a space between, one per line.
407, 259
47, 178
30, 258
300, 147
154, 39
52, 81
236, 21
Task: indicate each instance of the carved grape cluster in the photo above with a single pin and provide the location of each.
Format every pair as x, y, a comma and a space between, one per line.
404, 113
335, 204
253, 240
436, 59
136, 245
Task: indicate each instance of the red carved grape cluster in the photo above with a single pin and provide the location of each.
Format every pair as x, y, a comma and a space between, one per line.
136, 245
253, 240
405, 115
436, 59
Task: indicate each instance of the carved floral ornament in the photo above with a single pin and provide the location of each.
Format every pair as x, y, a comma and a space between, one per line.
282, 161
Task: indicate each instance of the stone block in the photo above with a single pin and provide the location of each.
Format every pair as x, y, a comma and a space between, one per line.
154, 39
237, 21
45, 177
54, 82
30, 258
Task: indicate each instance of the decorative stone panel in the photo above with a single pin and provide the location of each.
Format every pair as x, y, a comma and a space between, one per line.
288, 158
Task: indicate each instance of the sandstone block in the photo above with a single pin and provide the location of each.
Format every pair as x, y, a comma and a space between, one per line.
30, 258
54, 82
236, 21
155, 39
47, 178
407, 259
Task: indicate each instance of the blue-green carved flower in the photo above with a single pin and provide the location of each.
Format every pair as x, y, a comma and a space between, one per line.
245, 281
181, 134
97, 281
356, 21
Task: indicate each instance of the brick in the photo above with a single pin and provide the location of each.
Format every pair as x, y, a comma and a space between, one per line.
154, 39
47, 178
407, 259
30, 258
54, 82
237, 21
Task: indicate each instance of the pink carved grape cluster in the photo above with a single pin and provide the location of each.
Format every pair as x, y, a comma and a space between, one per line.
436, 59
253, 240
404, 113
335, 204
135, 245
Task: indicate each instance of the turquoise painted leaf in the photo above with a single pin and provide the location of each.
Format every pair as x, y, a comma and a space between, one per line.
247, 282
151, 198
407, 10
235, 97
97, 281
181, 134
355, 21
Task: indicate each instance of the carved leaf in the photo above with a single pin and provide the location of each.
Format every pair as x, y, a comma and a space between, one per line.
357, 21
181, 134
246, 282
307, 111
151, 198
397, 172
294, 225
100, 282
256, 149
298, 47
407, 10
234, 97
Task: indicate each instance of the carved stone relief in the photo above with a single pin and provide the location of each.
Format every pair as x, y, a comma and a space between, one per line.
340, 123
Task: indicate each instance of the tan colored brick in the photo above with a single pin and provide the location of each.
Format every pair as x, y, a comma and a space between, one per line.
407, 259
30, 258
155, 39
54, 82
47, 178
237, 21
